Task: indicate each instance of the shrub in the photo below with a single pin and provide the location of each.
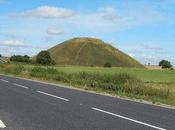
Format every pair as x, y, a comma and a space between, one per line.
107, 64
91, 65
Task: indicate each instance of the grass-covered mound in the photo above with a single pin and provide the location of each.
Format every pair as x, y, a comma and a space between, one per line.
90, 52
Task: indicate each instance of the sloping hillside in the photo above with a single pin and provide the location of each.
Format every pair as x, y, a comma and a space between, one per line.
90, 51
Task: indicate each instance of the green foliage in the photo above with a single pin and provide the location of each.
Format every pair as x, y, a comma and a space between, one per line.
43, 72
44, 58
0, 55
90, 51
19, 58
107, 64
13, 69
18, 69
165, 64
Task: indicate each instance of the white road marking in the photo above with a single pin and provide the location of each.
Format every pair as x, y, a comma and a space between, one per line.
20, 86
4, 80
2, 124
53, 96
126, 118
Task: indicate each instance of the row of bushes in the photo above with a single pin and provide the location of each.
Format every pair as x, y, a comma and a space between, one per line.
20, 58
116, 82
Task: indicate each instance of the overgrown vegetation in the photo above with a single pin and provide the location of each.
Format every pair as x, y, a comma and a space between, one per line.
115, 82
118, 83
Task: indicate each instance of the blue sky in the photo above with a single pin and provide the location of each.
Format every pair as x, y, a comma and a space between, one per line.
144, 29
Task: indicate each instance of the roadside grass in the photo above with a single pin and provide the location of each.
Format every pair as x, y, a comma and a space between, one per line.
155, 86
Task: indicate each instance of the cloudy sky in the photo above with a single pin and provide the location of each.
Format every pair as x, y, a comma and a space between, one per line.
144, 29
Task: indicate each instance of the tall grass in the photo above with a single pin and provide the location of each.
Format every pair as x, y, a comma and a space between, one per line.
13, 69
112, 82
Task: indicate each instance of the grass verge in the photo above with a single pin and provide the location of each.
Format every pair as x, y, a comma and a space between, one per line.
121, 84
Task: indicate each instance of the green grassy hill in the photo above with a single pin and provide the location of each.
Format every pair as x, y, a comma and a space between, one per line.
90, 51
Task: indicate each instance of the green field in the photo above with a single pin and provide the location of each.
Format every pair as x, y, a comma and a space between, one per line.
159, 76
155, 76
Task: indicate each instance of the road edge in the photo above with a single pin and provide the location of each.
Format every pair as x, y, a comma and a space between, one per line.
93, 92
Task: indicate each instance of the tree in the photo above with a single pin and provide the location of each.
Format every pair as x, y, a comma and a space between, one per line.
19, 58
107, 64
44, 58
165, 64
0, 55
26, 56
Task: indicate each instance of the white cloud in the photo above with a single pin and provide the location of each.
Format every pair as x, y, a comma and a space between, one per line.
146, 58
109, 13
131, 54
18, 44
12, 42
104, 20
109, 19
47, 12
149, 52
153, 47
147, 47
55, 31
18, 47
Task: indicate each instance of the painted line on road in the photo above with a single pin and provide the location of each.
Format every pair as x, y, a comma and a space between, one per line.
4, 80
2, 125
52, 95
20, 86
129, 119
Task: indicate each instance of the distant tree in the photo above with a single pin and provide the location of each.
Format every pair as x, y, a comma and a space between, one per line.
107, 64
162, 62
0, 55
20, 58
26, 56
44, 58
165, 64
91, 65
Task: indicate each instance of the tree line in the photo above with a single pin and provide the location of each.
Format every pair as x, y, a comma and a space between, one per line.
42, 58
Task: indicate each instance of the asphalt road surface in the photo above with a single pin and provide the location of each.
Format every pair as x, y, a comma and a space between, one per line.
29, 105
